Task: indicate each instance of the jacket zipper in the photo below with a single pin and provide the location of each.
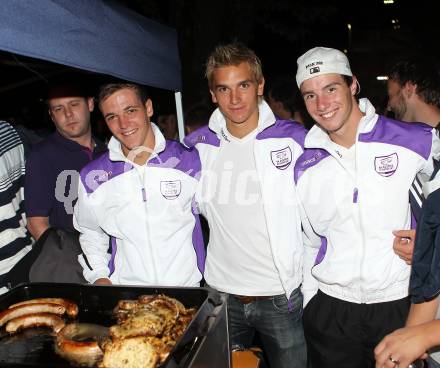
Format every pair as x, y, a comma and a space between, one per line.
147, 224
361, 226
355, 200
290, 307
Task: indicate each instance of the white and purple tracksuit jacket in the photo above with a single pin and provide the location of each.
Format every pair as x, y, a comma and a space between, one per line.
145, 214
350, 212
277, 146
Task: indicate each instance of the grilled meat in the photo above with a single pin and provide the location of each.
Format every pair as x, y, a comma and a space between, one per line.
24, 309
154, 320
133, 352
140, 323
71, 307
35, 320
79, 343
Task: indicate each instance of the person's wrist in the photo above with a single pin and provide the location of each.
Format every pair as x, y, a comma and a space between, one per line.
429, 335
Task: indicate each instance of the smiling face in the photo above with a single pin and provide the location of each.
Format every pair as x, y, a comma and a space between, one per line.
236, 91
71, 116
331, 103
129, 119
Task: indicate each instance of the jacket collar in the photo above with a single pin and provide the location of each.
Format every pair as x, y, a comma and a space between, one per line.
217, 122
115, 150
318, 138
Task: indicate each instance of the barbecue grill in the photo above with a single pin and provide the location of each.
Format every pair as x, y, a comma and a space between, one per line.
205, 343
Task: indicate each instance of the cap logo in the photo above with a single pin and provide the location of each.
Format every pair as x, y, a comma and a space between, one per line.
315, 63
314, 67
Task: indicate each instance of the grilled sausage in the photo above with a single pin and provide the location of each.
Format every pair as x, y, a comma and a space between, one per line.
71, 345
35, 320
71, 307
24, 309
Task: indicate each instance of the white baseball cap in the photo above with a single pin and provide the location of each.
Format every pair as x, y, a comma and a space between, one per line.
321, 60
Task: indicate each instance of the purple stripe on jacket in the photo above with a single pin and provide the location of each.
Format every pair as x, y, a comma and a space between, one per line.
197, 239
114, 248
416, 137
203, 135
309, 158
285, 129
322, 251
102, 170
175, 156
178, 157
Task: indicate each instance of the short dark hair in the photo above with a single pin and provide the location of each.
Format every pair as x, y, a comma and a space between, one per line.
108, 89
288, 94
421, 72
233, 54
348, 79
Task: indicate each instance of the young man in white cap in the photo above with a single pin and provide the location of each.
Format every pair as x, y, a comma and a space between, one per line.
353, 180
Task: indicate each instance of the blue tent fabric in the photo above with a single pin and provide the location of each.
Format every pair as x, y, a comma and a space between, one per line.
94, 35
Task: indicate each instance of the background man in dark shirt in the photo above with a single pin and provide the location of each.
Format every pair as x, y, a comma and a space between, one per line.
52, 170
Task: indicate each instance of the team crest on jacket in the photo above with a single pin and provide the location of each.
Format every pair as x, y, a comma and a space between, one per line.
386, 165
281, 158
170, 189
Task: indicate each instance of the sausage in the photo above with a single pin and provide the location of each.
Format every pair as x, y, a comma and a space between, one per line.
71, 307
35, 320
70, 343
24, 309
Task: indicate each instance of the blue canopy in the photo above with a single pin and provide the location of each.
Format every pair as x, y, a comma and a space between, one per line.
92, 35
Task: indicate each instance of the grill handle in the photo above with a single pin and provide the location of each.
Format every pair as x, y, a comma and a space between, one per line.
190, 340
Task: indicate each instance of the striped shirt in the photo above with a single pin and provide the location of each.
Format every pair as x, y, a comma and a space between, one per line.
15, 240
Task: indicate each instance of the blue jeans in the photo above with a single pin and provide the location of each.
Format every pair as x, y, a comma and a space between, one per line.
280, 328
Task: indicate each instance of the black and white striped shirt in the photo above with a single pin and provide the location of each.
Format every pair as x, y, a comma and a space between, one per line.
15, 240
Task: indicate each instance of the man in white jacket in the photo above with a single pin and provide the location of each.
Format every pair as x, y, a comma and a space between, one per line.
353, 181
248, 196
138, 199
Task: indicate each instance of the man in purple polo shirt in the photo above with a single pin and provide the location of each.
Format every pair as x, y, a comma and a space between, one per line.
53, 166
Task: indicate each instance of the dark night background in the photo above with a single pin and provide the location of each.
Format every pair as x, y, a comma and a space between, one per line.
279, 32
